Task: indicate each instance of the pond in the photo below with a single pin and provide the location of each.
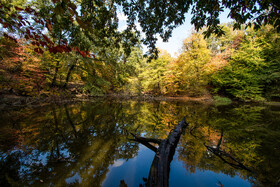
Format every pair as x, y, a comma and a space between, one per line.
91, 144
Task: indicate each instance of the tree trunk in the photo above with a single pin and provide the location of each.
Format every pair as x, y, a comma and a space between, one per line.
159, 172
55, 74
68, 75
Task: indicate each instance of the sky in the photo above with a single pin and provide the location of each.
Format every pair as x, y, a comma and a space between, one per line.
180, 33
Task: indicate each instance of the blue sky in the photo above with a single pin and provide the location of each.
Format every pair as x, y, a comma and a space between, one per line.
175, 43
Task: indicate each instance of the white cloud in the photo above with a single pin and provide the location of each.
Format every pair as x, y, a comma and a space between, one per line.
118, 163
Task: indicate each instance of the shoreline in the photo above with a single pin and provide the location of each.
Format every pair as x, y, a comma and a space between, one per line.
14, 101
10, 100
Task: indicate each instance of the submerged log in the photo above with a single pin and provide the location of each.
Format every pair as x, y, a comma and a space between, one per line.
159, 172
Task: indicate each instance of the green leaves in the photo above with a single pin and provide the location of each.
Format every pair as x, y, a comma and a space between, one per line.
247, 76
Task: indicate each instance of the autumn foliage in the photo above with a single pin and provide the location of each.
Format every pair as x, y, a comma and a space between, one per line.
20, 71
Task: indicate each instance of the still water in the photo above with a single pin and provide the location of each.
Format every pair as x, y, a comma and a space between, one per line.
90, 144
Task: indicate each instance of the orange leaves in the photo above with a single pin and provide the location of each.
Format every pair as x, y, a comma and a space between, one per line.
49, 25
83, 53
24, 70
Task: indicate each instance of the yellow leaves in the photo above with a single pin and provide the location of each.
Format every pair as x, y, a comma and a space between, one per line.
76, 111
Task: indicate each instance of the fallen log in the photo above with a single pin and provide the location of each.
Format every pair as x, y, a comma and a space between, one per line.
159, 171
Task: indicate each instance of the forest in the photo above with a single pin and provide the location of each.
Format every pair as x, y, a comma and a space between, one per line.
48, 50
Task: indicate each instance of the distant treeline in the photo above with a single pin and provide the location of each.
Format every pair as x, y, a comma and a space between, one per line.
242, 64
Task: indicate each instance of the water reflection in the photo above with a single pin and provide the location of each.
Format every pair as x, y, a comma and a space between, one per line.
88, 143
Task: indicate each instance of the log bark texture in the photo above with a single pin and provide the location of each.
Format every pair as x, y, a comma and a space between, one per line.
159, 172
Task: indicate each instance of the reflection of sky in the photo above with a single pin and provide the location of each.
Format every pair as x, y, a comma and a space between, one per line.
132, 171
75, 178
36, 158
180, 177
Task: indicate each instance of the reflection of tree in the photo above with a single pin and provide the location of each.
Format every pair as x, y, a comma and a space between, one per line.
77, 143
244, 144
224, 156
68, 141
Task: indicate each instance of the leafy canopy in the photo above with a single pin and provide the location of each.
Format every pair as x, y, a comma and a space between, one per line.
156, 17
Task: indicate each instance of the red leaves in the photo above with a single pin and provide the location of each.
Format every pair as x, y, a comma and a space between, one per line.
5, 25
59, 49
39, 50
36, 36
83, 53
28, 32
18, 8
67, 49
19, 21
20, 17
47, 39
43, 44
55, 1
28, 10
